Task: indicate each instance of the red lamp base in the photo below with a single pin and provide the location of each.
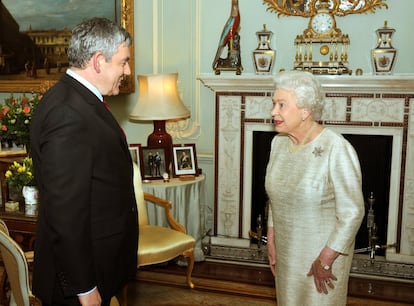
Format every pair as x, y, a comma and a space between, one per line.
159, 137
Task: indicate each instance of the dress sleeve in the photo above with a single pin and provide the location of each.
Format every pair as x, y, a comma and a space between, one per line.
269, 165
345, 177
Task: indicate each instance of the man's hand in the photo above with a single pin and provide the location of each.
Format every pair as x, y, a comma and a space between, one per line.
91, 299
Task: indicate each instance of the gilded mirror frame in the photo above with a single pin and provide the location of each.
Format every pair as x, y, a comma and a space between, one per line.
37, 85
307, 8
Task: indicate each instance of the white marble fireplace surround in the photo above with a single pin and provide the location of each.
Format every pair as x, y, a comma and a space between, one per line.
373, 105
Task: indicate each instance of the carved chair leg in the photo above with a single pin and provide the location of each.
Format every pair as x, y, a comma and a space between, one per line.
189, 256
34, 301
122, 296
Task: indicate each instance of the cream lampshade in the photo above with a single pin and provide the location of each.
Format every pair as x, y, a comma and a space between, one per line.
159, 101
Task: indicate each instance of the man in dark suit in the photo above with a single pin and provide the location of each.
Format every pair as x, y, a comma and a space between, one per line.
87, 228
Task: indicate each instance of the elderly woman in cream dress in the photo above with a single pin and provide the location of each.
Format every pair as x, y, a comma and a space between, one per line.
313, 181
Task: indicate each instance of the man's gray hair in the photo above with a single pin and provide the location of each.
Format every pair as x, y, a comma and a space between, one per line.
94, 35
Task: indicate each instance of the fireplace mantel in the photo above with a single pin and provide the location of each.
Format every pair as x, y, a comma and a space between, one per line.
252, 82
380, 105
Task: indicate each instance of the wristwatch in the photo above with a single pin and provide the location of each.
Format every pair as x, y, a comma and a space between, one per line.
324, 266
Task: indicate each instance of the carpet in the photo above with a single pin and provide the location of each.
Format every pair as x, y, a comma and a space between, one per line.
163, 289
149, 294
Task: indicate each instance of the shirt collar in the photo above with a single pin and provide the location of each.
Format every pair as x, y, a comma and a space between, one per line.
86, 83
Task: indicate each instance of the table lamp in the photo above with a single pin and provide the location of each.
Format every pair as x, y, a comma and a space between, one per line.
159, 101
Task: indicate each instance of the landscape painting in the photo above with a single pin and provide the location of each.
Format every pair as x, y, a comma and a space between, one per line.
34, 36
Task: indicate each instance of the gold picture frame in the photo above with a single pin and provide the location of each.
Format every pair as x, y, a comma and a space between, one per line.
39, 85
134, 150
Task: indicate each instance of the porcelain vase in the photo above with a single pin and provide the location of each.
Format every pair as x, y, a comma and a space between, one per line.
384, 55
30, 194
264, 56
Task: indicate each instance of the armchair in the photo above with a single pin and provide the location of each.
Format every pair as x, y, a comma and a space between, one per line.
159, 244
17, 271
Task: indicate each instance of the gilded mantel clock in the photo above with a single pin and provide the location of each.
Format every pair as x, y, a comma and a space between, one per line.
322, 34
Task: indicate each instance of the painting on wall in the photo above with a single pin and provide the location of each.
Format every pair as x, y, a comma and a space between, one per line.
34, 36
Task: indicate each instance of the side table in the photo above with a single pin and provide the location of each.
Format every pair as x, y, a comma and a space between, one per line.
21, 225
188, 202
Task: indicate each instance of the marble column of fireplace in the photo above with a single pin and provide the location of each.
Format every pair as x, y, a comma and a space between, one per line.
378, 105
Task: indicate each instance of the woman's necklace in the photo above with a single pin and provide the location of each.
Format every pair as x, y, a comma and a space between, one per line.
295, 148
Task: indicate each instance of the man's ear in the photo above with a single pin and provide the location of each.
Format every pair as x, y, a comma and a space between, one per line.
97, 60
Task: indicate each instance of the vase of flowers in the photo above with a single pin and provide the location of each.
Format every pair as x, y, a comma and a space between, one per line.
20, 176
15, 118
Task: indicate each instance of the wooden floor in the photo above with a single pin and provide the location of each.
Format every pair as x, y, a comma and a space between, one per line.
261, 280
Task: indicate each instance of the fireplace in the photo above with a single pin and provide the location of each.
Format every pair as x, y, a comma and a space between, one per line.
376, 173
366, 110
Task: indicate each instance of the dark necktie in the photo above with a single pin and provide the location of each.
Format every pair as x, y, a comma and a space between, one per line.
108, 107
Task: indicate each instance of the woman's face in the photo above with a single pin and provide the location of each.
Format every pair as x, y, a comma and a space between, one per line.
287, 117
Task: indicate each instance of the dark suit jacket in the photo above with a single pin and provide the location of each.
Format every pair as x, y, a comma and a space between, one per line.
87, 228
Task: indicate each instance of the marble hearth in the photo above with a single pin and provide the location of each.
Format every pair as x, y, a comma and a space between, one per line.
361, 105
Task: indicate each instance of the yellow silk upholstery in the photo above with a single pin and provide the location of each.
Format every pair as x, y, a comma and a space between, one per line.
159, 244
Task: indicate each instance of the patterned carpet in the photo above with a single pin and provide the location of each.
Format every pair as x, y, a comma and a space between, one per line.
160, 289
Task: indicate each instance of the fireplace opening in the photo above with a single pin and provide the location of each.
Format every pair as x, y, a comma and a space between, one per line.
374, 153
375, 156
260, 157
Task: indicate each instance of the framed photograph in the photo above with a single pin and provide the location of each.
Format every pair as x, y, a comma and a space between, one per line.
35, 40
134, 151
185, 160
152, 163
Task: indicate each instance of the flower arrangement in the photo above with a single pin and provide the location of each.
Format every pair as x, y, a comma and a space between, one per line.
15, 117
21, 174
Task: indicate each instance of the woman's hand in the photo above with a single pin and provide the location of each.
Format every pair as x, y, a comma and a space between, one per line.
271, 249
323, 277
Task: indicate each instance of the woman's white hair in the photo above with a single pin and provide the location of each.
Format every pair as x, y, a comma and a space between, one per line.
306, 87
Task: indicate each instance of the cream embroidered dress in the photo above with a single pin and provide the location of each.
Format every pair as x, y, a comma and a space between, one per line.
315, 200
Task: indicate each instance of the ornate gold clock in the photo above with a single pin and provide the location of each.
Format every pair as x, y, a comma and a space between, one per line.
322, 33
322, 23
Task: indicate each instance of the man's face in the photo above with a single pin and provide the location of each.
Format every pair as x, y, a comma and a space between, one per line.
114, 71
